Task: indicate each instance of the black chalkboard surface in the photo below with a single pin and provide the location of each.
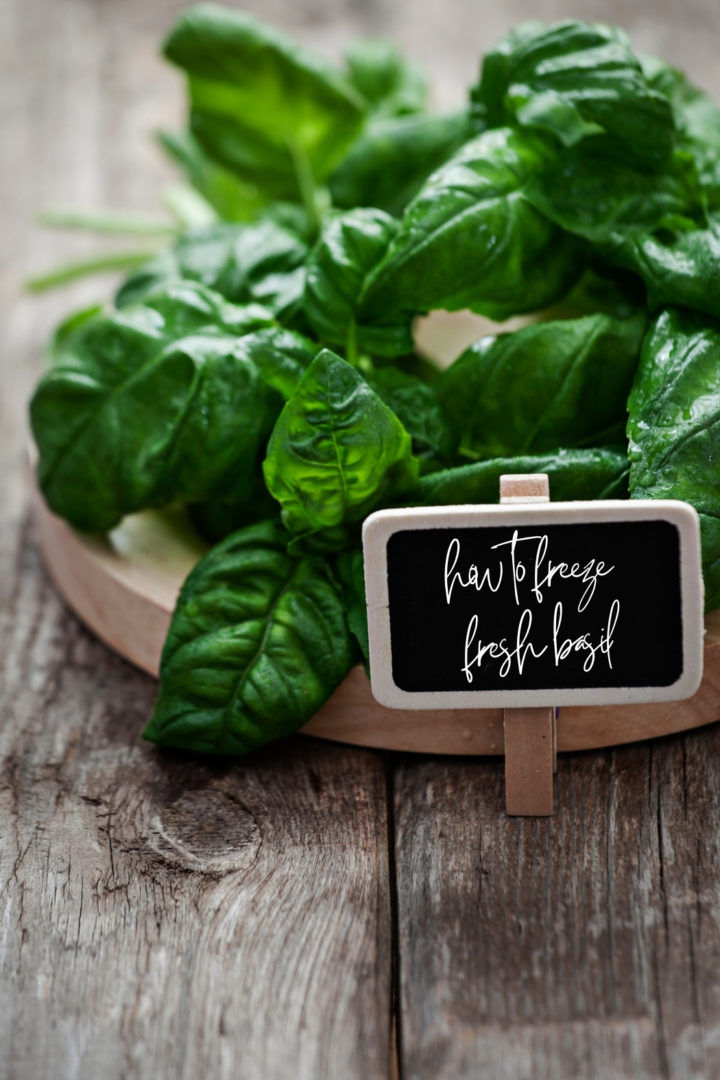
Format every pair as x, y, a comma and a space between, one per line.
551, 604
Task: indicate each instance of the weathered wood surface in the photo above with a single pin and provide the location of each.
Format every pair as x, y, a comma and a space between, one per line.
166, 918
163, 918
582, 947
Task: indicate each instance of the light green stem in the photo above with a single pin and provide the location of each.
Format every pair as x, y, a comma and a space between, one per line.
117, 260
106, 221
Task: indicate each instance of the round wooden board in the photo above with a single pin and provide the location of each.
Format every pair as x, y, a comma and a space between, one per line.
124, 586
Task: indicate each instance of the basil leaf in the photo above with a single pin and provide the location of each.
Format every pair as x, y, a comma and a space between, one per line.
575, 80
261, 263
152, 404
350, 570
697, 118
597, 197
416, 405
349, 247
697, 115
607, 289
261, 105
546, 385
400, 144
388, 162
680, 268
388, 82
265, 265
257, 643
152, 276
281, 356
336, 451
226, 193
471, 239
67, 328
598, 473
218, 519
674, 426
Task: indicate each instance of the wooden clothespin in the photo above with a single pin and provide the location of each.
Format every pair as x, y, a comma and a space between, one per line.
530, 734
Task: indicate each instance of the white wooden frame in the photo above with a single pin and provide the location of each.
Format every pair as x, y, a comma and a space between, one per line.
380, 526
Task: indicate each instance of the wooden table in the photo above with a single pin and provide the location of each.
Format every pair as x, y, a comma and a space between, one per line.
312, 911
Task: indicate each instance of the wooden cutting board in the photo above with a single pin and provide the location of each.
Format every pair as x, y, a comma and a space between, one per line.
124, 586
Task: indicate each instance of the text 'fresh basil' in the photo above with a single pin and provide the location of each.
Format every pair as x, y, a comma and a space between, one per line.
557, 604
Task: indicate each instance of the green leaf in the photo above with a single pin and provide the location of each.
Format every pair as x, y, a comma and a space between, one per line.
605, 289
598, 473
674, 426
680, 268
266, 265
471, 239
350, 246
388, 82
336, 451
257, 643
261, 105
217, 519
389, 161
576, 80
67, 328
152, 404
282, 357
546, 385
229, 196
259, 263
697, 118
350, 570
416, 405
594, 196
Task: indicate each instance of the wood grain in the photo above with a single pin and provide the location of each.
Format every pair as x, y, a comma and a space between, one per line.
582, 947
530, 761
164, 917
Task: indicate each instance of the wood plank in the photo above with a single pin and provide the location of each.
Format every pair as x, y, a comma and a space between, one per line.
167, 917
583, 946
160, 917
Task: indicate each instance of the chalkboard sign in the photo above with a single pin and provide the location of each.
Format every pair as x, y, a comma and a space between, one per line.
545, 604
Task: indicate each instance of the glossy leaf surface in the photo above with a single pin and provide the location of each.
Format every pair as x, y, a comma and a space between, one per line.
389, 161
674, 426
574, 474
337, 451
151, 404
576, 80
258, 263
546, 385
349, 248
471, 239
257, 643
261, 105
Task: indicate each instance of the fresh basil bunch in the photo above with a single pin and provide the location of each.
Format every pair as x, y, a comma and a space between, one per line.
263, 369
